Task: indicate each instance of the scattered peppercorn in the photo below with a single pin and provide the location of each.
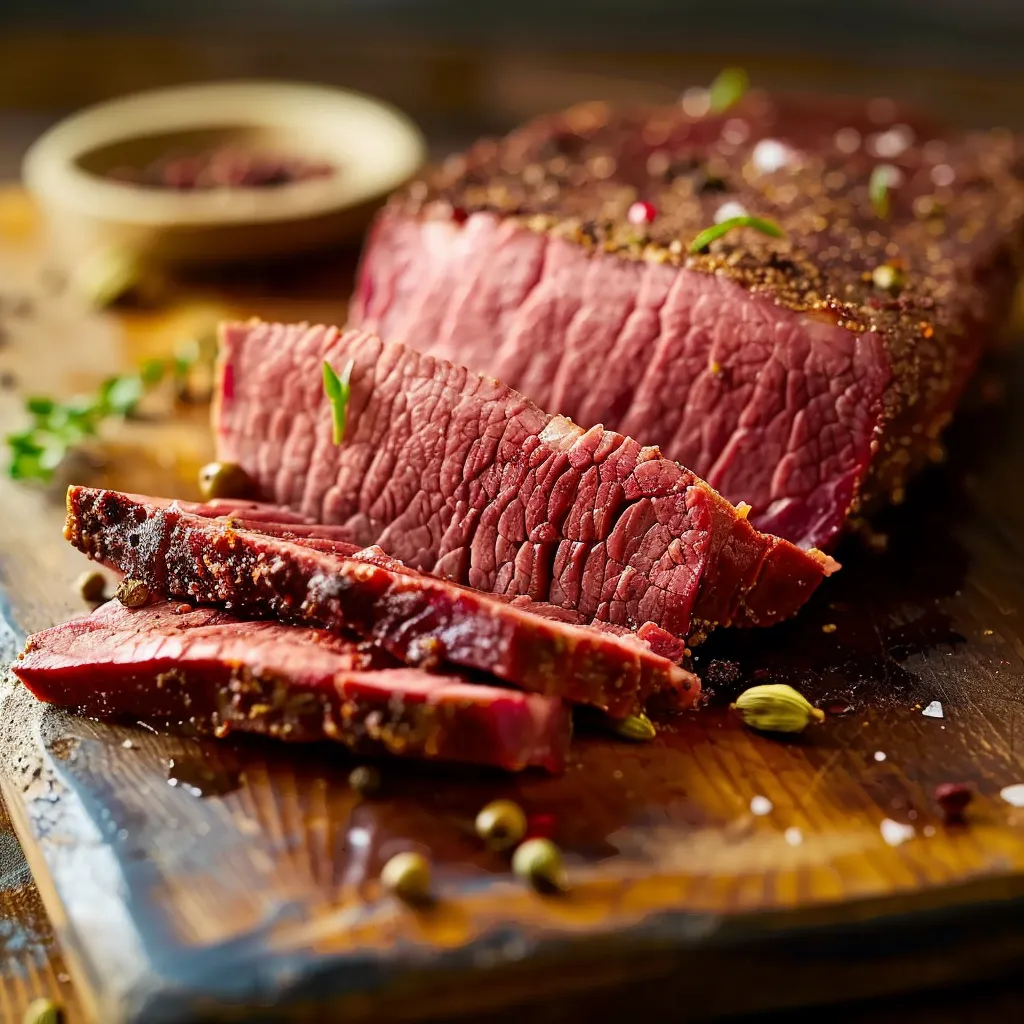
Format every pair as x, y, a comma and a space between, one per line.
364, 780
953, 798
501, 824
407, 875
43, 1011
539, 862
132, 593
91, 585
224, 480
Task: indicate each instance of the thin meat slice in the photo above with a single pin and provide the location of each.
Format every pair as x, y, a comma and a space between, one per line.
417, 618
459, 476
176, 662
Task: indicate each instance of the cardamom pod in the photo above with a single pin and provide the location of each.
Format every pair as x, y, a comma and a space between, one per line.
776, 707
42, 1011
635, 727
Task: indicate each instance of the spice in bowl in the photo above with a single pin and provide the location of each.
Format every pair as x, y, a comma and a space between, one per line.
228, 166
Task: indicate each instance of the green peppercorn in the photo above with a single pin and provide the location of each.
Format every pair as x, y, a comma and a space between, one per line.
364, 780
132, 593
224, 480
888, 278
501, 824
407, 875
42, 1011
92, 585
539, 862
635, 727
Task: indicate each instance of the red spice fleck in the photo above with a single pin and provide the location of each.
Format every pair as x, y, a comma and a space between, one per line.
641, 212
540, 826
459, 214
953, 798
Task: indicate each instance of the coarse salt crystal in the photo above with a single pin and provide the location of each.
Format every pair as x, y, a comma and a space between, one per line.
1013, 795
895, 833
729, 210
696, 101
760, 806
794, 836
770, 155
847, 140
934, 710
892, 143
879, 755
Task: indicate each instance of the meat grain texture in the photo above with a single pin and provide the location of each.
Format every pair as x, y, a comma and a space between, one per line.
179, 663
792, 374
459, 476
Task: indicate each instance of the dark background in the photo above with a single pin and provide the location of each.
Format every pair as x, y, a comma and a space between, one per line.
966, 32
462, 68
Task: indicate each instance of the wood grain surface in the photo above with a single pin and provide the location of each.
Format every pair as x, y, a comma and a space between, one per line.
263, 891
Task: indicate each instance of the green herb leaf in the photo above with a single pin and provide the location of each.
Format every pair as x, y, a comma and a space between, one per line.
337, 390
122, 394
727, 89
152, 371
39, 406
883, 177
58, 426
709, 235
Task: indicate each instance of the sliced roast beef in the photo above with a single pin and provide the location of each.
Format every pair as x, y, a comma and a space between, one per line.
459, 476
417, 618
807, 375
176, 662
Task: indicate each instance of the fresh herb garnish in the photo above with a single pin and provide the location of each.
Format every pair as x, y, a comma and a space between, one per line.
708, 235
727, 89
337, 390
57, 427
883, 177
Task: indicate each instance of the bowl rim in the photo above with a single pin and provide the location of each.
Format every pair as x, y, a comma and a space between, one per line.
51, 171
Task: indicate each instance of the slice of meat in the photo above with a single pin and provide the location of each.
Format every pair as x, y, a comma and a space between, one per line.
460, 476
175, 662
417, 618
809, 375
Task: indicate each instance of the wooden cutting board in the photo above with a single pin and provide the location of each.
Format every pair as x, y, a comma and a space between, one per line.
250, 886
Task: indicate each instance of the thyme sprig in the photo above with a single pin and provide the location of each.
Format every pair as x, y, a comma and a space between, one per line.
716, 231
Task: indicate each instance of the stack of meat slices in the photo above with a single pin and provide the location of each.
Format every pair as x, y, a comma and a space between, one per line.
463, 565
541, 565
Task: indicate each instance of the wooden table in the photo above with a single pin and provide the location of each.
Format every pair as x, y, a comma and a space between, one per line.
31, 963
935, 617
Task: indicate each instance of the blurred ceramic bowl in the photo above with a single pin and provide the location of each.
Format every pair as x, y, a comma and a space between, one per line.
370, 148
